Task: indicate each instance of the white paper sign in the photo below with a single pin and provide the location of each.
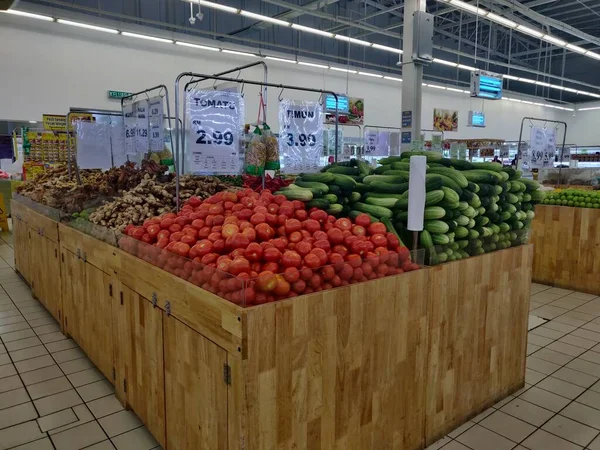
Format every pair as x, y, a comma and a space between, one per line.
93, 145
565, 154
504, 151
117, 142
371, 140
394, 143
156, 124
383, 143
142, 136
129, 121
542, 147
216, 121
300, 136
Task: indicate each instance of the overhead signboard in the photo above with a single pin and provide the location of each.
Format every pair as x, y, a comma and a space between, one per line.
117, 95
486, 85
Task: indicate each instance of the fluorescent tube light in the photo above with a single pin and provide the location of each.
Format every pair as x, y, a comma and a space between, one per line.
341, 37
574, 91
435, 86
471, 68
312, 30
235, 52
510, 77
527, 102
529, 31
554, 40
506, 98
541, 83
341, 69
444, 62
539, 104
467, 92
502, 20
199, 47
392, 78
468, 7
215, 6
30, 15
32, 121
577, 49
149, 38
255, 16
320, 66
516, 100
593, 55
527, 80
89, 27
388, 49
454, 90
424, 84
589, 109
273, 58
556, 86
368, 74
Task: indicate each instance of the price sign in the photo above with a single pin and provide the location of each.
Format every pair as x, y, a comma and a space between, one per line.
129, 124
383, 144
504, 151
565, 155
300, 136
371, 140
542, 148
142, 136
156, 124
436, 142
215, 130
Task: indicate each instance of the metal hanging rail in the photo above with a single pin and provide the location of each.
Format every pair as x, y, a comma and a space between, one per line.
251, 83
558, 122
226, 72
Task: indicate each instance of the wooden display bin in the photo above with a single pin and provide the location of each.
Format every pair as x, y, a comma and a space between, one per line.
567, 247
478, 314
385, 364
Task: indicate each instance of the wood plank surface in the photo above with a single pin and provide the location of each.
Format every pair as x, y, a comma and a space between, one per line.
339, 369
567, 247
214, 317
73, 289
43, 225
22, 248
50, 277
478, 318
139, 358
196, 393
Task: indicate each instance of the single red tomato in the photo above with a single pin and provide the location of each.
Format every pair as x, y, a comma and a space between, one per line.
166, 223
299, 286
354, 260
327, 272
163, 234
264, 232
312, 260
382, 253
291, 259
393, 241
146, 238
321, 254
272, 255
266, 281
319, 215
153, 230
295, 237
306, 273
311, 225
320, 235
283, 287
271, 267
216, 209
343, 224
346, 272
363, 220
231, 219
335, 258
315, 281
335, 236
340, 249
280, 243
229, 230
303, 248
301, 214
358, 230
182, 249
292, 225
291, 274
175, 228
272, 208
253, 252
245, 214
257, 218
238, 240
187, 239
176, 237
272, 219
239, 265
379, 240
323, 244
377, 228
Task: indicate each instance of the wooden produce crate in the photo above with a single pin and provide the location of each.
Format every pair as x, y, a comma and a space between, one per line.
567, 247
478, 316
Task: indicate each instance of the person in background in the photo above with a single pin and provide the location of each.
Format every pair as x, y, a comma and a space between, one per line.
496, 159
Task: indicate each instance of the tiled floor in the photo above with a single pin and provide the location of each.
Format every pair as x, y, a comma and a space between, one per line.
559, 408
51, 395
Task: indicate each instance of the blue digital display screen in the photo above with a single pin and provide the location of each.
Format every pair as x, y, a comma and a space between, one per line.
477, 119
490, 87
342, 103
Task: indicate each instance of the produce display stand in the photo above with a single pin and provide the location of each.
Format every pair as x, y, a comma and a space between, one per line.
567, 247
389, 363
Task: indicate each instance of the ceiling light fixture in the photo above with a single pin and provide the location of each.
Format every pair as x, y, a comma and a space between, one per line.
593, 55
199, 47
341, 69
368, 74
341, 37
589, 109
89, 27
577, 49
260, 17
574, 91
435, 86
468, 7
471, 68
215, 6
502, 20
542, 83
16, 12
529, 31
554, 40
273, 58
510, 77
455, 90
299, 27
320, 66
149, 38
388, 49
393, 78
235, 52
444, 62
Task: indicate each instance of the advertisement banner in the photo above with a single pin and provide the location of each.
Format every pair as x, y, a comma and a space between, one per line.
300, 136
216, 123
445, 120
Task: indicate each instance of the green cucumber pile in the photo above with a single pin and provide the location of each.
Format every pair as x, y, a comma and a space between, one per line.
470, 208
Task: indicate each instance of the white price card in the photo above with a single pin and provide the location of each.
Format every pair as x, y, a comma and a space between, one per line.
300, 135
216, 121
129, 121
93, 145
142, 138
156, 124
504, 151
383, 144
565, 154
371, 140
117, 142
542, 148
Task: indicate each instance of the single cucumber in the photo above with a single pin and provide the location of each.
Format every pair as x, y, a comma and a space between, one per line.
344, 170
331, 198
325, 177
387, 202
379, 170
317, 203
334, 209
313, 185
434, 212
374, 210
296, 194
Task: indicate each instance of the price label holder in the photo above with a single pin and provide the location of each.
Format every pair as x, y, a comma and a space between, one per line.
216, 121
142, 138
504, 151
129, 124
156, 121
371, 141
300, 136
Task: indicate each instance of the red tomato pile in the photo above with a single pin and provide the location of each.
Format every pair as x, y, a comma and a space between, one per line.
256, 248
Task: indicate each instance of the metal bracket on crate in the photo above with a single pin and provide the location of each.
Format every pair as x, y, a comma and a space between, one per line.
154, 299
168, 307
78, 253
84, 257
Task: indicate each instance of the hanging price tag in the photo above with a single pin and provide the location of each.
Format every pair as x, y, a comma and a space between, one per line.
542, 148
156, 124
215, 130
300, 136
565, 155
504, 151
142, 138
129, 121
